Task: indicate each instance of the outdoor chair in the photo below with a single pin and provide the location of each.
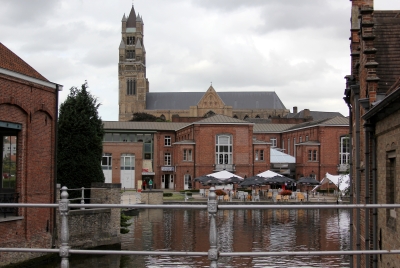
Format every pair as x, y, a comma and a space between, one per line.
286, 198
269, 195
278, 198
206, 192
256, 198
300, 197
202, 192
249, 197
226, 197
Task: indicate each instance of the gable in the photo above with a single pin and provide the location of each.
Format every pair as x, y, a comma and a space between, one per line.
211, 100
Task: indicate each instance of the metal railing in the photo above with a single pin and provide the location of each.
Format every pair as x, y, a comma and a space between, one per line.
212, 206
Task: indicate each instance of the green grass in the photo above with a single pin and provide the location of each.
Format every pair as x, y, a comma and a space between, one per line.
175, 197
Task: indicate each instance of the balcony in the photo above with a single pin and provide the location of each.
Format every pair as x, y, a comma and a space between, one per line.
227, 167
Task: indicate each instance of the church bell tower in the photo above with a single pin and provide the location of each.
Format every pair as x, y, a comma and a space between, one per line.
132, 82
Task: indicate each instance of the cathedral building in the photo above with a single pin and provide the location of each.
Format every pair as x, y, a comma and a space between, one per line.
135, 96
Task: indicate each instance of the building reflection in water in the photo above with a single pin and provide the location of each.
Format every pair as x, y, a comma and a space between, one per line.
239, 231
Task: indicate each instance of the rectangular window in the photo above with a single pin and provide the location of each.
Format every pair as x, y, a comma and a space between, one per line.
262, 155
307, 138
167, 159
273, 141
344, 153
315, 155
256, 156
391, 188
223, 149
187, 155
294, 147
167, 141
301, 139
130, 87
288, 146
8, 162
130, 54
309, 155
106, 161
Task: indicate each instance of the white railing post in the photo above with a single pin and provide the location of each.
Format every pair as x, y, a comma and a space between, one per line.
212, 212
83, 197
64, 248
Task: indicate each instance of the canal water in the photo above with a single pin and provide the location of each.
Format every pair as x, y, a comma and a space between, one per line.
238, 231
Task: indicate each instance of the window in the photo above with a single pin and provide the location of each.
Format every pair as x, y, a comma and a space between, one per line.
261, 155
223, 149
256, 156
309, 155
312, 155
187, 155
130, 87
106, 161
294, 146
8, 163
188, 181
130, 40
127, 161
315, 155
130, 54
391, 188
306, 137
344, 153
167, 141
301, 139
167, 159
288, 146
273, 141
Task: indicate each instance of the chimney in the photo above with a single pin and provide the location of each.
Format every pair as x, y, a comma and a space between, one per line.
306, 113
295, 109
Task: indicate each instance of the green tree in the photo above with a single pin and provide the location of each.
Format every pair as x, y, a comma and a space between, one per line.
80, 136
145, 117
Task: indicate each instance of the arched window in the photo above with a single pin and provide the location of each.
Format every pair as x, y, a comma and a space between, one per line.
209, 114
245, 117
235, 116
130, 87
162, 117
257, 116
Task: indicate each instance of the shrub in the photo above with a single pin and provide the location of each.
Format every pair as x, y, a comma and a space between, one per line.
167, 194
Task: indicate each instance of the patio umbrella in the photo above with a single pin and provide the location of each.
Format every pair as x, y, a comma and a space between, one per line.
211, 181
233, 180
251, 181
308, 181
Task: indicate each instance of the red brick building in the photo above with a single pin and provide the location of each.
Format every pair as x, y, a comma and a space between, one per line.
372, 94
173, 154
28, 117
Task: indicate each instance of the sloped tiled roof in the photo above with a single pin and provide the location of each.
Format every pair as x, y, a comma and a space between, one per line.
149, 126
326, 122
238, 100
387, 40
315, 115
221, 119
10, 61
280, 157
271, 128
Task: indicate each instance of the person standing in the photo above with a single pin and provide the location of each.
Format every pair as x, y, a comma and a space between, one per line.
150, 184
144, 185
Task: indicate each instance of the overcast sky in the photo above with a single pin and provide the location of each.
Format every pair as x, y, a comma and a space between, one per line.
297, 48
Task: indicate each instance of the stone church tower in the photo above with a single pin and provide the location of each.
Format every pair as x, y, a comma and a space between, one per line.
133, 84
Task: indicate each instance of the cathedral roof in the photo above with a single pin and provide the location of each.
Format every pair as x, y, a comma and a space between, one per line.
131, 22
10, 61
316, 115
238, 100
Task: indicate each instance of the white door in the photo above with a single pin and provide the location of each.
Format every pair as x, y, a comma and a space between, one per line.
128, 171
187, 182
106, 165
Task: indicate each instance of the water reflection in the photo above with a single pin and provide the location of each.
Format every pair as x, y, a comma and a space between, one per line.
239, 231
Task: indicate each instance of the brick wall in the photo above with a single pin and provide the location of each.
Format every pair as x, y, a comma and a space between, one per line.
34, 107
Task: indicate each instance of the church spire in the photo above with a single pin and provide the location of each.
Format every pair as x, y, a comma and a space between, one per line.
131, 22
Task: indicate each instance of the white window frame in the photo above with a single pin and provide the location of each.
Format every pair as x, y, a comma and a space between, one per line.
344, 150
273, 141
167, 141
167, 159
223, 149
187, 154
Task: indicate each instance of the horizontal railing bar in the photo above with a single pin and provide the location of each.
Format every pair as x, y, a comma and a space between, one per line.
189, 253
193, 206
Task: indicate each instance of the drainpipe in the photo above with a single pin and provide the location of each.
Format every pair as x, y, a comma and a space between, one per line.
358, 173
367, 135
53, 239
351, 181
374, 201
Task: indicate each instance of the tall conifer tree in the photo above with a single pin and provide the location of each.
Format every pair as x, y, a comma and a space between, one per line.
80, 136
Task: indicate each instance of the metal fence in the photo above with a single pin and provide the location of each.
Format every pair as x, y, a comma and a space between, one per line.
212, 206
